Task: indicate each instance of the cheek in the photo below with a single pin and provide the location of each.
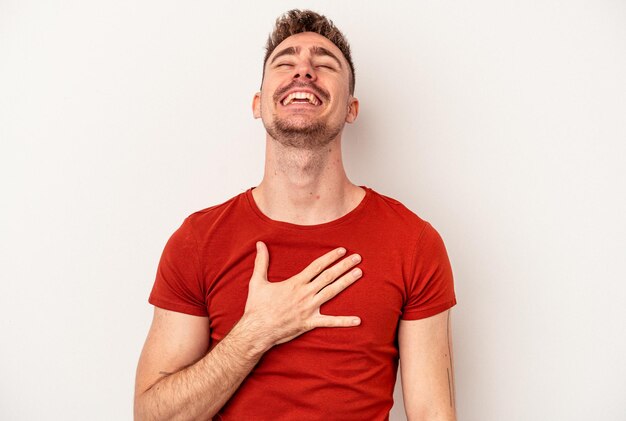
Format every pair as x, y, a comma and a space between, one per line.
266, 99
269, 91
268, 108
341, 103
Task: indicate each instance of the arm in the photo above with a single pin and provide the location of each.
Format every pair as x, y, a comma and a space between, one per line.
177, 379
426, 368
175, 374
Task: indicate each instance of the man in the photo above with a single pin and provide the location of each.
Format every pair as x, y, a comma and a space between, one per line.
355, 280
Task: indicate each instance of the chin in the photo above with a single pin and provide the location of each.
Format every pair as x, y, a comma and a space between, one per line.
309, 135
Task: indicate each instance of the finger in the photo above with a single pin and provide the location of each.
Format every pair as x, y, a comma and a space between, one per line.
329, 275
261, 261
336, 321
336, 287
319, 264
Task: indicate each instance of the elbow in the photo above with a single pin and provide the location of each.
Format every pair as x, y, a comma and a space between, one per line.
142, 410
138, 408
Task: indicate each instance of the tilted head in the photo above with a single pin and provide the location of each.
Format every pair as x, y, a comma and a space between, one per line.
296, 21
307, 89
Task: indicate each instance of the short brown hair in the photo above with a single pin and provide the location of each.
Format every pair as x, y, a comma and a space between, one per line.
296, 21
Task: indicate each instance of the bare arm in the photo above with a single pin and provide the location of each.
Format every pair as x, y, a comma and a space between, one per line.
426, 368
177, 379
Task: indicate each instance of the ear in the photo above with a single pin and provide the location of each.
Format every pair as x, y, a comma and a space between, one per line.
353, 109
256, 105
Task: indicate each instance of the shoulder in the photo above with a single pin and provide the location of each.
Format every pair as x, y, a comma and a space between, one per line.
207, 217
396, 214
402, 223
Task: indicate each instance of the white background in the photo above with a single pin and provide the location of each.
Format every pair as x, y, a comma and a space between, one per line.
500, 122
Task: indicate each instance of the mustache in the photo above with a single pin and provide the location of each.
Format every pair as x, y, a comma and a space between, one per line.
322, 94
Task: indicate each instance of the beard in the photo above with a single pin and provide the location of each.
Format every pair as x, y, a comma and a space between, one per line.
310, 136
295, 133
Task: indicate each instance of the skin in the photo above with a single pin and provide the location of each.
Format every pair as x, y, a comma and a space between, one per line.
304, 183
178, 380
426, 368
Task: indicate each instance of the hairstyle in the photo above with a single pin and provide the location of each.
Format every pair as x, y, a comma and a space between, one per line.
296, 21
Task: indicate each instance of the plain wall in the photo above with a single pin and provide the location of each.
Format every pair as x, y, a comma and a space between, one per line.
500, 122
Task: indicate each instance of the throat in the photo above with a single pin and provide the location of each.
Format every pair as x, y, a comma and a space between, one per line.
301, 164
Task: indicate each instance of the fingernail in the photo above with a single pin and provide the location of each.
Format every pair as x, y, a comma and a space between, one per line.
356, 272
341, 251
356, 258
356, 321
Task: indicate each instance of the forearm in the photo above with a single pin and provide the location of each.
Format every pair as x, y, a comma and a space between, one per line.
275, 312
200, 390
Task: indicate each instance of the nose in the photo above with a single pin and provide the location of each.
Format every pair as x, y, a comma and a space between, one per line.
304, 71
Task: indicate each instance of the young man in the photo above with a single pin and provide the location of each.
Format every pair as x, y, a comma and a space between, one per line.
295, 299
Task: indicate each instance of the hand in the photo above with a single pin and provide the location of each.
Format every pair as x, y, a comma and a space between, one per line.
287, 309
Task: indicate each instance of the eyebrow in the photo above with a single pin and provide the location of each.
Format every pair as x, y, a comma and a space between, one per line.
321, 51
316, 51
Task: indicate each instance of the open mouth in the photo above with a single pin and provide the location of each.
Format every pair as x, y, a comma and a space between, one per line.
300, 97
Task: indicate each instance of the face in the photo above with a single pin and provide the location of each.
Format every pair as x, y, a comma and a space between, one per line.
304, 100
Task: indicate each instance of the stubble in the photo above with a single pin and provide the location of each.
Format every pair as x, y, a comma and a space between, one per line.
313, 136
293, 132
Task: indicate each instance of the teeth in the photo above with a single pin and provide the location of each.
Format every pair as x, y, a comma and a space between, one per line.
301, 95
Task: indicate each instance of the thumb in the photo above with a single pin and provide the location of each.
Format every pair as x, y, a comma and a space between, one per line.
261, 262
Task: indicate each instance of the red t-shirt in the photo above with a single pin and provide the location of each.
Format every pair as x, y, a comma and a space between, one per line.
326, 373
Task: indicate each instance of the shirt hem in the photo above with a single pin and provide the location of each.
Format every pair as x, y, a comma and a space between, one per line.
167, 305
422, 314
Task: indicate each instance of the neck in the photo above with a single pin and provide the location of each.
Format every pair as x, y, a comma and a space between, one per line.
304, 186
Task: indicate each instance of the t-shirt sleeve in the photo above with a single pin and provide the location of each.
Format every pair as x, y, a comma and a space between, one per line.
179, 282
431, 288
